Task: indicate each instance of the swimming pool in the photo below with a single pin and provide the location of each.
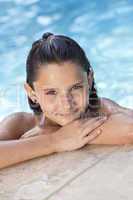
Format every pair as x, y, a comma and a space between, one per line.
104, 30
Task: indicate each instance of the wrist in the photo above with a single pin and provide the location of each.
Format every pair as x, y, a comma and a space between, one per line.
55, 142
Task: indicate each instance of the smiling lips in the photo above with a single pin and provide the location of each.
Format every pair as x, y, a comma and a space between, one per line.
68, 113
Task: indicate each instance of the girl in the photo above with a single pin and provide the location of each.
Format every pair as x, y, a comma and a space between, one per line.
67, 111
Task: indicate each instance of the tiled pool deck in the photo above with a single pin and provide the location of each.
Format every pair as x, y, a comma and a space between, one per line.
91, 173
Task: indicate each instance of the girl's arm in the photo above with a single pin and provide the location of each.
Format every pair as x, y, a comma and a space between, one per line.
15, 151
117, 130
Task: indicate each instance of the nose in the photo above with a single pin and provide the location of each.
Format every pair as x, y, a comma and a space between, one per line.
65, 102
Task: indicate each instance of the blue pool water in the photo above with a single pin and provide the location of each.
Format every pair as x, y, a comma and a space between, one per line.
103, 28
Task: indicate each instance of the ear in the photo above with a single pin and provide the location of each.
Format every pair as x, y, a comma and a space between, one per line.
90, 78
30, 92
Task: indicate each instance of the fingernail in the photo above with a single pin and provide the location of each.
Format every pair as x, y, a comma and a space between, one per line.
99, 131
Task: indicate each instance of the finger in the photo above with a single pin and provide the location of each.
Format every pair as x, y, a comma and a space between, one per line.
82, 121
91, 127
93, 136
30, 133
88, 127
91, 120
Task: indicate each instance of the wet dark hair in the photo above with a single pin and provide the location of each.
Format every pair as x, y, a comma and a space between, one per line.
57, 49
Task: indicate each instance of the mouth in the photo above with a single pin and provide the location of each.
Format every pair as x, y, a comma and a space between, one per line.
68, 114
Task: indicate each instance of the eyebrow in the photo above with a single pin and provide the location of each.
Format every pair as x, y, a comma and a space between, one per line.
57, 88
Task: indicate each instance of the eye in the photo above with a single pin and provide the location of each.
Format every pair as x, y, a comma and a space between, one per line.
77, 87
52, 92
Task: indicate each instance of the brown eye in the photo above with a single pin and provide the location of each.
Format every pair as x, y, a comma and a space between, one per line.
77, 87
52, 92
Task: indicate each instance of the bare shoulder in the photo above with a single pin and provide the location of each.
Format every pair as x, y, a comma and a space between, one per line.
109, 101
112, 107
16, 124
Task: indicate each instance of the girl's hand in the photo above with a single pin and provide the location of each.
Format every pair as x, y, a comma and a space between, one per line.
32, 132
76, 134
41, 129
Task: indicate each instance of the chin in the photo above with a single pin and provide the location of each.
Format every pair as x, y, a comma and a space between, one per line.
63, 123
65, 120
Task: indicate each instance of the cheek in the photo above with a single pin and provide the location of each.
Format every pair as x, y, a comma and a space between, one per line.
43, 98
49, 108
47, 103
82, 97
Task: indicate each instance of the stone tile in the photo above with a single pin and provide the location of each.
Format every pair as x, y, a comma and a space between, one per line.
41, 177
111, 179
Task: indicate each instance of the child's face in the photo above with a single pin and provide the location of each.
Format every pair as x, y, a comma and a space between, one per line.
60, 99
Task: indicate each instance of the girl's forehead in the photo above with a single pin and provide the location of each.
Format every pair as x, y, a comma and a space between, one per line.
55, 74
